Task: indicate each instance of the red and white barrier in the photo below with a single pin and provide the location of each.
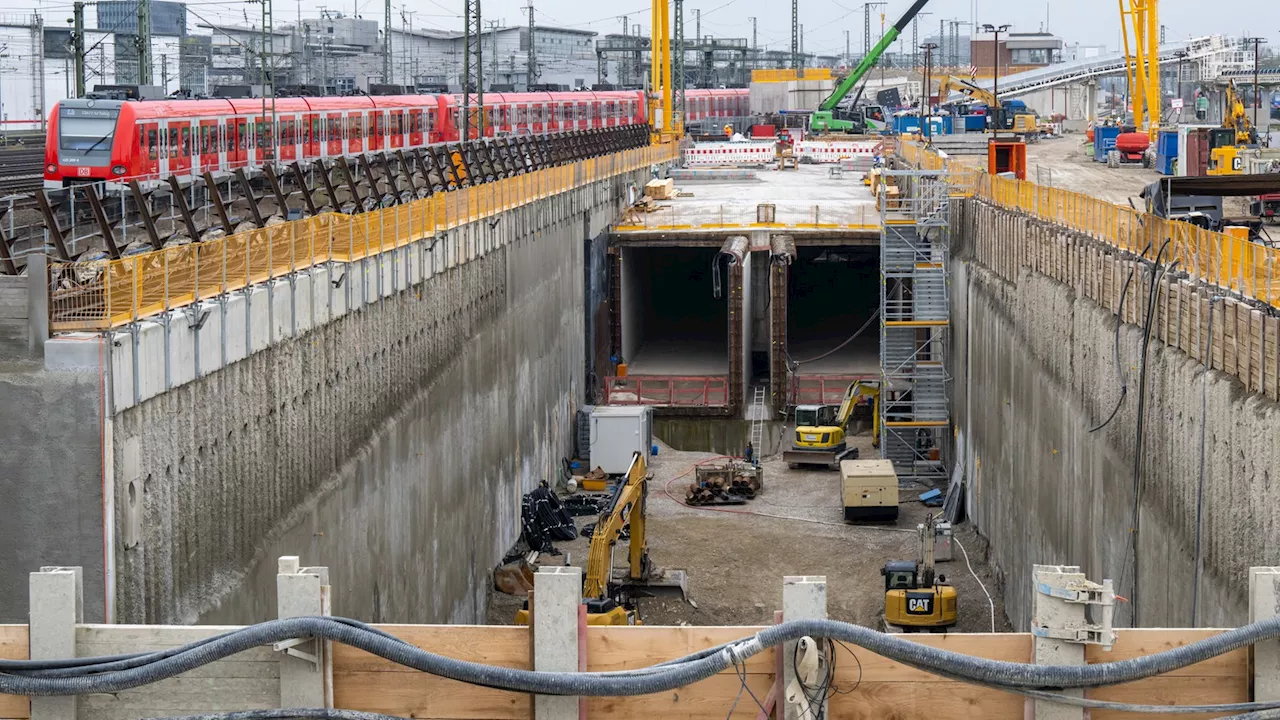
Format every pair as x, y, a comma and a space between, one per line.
739, 153
833, 152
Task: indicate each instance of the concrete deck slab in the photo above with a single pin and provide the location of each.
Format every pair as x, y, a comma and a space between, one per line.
806, 200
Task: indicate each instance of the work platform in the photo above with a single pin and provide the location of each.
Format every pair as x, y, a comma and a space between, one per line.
815, 204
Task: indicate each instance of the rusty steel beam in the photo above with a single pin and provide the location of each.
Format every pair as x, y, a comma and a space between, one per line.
56, 233
251, 198
6, 256
219, 207
300, 181
184, 210
105, 226
277, 191
349, 178
148, 218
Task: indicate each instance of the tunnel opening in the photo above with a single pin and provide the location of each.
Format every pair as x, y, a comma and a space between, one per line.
832, 293
674, 314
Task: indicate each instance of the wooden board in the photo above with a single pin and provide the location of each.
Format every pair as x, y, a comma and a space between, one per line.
245, 681
366, 682
14, 645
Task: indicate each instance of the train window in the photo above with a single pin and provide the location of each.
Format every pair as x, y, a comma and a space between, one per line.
521, 114
186, 141
151, 144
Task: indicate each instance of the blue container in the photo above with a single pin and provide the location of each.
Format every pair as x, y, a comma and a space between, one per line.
1166, 151
1104, 141
975, 123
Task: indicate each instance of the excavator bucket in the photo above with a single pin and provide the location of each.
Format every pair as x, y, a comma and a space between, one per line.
660, 584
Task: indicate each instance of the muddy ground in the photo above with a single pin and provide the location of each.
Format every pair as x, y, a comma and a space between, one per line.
737, 556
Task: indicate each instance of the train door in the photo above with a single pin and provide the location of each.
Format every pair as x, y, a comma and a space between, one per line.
333, 133
355, 131
378, 130
149, 148
311, 136
395, 129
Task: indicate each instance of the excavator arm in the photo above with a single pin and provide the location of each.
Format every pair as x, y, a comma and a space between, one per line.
628, 507
869, 61
1236, 117
971, 91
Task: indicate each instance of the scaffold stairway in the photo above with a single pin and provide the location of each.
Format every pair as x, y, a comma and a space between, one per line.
914, 320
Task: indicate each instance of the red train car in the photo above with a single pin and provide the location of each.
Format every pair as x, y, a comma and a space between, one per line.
703, 104
95, 140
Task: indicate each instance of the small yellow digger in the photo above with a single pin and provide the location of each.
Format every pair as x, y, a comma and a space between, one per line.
608, 594
821, 429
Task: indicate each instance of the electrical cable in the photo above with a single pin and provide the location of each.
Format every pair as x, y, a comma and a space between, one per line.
1124, 382
990, 602
678, 673
850, 339
1157, 274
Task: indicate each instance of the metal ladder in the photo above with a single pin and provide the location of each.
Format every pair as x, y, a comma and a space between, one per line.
758, 414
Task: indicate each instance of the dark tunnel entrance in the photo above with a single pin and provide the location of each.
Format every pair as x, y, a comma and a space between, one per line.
673, 322
832, 292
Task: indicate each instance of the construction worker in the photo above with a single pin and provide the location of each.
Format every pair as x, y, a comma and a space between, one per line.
750, 454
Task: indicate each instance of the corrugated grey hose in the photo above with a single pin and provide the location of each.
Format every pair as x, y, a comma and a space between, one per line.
672, 675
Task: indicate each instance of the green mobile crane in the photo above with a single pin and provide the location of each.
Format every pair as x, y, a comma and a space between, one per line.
868, 118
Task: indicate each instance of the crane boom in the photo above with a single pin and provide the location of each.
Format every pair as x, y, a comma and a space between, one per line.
868, 62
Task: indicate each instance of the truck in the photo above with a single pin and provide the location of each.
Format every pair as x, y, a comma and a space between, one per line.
867, 118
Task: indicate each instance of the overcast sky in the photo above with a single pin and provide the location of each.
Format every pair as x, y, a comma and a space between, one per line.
1088, 22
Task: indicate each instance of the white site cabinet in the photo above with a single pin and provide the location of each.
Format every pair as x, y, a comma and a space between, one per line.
617, 431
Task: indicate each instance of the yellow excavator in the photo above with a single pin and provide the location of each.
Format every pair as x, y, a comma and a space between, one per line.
1024, 121
608, 594
915, 599
1227, 142
821, 430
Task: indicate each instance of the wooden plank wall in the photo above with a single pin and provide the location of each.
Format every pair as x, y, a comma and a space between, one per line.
247, 681
13, 646
1245, 339
870, 686
14, 310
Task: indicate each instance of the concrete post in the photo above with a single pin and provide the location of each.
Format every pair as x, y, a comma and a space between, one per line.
1264, 604
804, 597
306, 673
558, 593
1048, 611
37, 303
57, 606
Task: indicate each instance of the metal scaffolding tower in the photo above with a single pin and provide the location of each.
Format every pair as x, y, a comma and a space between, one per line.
914, 321
473, 70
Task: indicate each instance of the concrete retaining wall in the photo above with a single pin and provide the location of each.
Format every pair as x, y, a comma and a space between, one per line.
1034, 325
384, 416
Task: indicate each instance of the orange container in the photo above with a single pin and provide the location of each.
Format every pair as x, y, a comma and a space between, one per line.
622, 369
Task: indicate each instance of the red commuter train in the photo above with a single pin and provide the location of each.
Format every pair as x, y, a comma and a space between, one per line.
96, 140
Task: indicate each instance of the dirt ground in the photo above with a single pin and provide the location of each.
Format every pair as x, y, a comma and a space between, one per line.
1062, 162
737, 556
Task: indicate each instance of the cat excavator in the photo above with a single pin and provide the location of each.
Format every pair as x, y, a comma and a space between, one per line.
610, 594
1227, 142
821, 429
916, 599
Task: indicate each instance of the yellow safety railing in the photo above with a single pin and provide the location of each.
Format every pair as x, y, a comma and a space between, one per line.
773, 76
1230, 262
739, 217
102, 294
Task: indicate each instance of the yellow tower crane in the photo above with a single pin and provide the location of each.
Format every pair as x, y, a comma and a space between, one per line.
1139, 22
661, 117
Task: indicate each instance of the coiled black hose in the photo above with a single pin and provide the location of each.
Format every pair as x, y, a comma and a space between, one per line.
676, 674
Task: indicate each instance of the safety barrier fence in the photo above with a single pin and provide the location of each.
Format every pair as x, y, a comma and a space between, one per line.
667, 390
742, 153
823, 389
101, 294
775, 75
1230, 262
747, 217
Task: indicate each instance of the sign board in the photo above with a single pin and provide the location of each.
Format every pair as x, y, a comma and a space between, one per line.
1176, 104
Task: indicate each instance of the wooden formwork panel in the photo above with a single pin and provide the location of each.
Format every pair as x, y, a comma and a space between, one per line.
14, 645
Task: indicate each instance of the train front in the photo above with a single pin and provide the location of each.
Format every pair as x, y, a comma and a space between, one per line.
80, 146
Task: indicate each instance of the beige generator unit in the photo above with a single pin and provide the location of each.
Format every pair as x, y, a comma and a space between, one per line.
870, 490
